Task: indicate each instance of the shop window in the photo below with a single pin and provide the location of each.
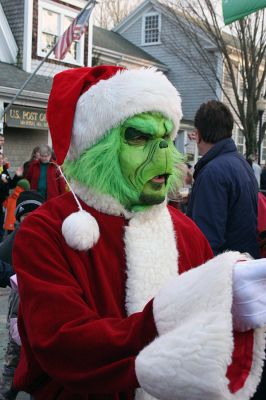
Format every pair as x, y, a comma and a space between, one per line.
53, 21
151, 28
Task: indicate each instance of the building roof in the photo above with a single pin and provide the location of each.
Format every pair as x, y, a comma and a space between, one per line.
114, 41
13, 77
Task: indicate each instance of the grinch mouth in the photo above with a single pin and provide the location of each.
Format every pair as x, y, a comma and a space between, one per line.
160, 179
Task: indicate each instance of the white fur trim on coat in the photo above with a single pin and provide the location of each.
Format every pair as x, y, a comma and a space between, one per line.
101, 202
151, 255
109, 102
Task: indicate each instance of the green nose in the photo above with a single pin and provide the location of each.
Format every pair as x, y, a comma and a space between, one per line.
163, 144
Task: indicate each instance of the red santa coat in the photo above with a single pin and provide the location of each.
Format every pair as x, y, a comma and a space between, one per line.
56, 184
79, 340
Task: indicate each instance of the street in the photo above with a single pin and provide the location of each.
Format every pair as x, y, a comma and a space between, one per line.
3, 333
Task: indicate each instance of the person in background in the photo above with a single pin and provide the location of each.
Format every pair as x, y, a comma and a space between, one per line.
6, 271
6, 183
179, 198
2, 142
256, 168
188, 180
224, 197
253, 162
10, 205
35, 155
263, 181
44, 175
250, 162
27, 202
189, 175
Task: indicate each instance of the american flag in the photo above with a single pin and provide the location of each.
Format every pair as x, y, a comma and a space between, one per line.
73, 32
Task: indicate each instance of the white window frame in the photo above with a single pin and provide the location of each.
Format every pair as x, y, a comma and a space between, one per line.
150, 14
62, 11
263, 147
264, 88
236, 136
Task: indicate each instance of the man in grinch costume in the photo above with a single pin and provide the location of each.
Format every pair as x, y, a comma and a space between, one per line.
111, 304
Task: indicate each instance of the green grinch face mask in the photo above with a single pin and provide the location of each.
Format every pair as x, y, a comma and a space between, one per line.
135, 163
146, 157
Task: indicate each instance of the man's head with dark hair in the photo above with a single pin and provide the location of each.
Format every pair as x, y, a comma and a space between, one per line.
214, 121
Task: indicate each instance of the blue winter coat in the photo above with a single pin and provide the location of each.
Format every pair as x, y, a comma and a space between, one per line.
224, 200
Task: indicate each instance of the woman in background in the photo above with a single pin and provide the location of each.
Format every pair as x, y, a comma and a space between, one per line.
44, 175
35, 155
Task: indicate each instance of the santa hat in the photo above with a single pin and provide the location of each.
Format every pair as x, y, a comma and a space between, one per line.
85, 103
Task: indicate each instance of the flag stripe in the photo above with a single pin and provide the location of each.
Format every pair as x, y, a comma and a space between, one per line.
73, 32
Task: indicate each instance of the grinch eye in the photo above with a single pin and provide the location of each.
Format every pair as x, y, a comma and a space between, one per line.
135, 137
167, 136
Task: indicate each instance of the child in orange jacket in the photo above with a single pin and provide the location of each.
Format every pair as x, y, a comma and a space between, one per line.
10, 204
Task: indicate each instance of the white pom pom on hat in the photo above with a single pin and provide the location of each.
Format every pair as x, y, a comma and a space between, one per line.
80, 229
85, 103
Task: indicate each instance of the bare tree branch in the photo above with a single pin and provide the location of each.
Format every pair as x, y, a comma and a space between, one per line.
110, 12
243, 53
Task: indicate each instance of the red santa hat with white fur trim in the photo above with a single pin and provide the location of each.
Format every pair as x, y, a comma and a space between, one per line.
85, 103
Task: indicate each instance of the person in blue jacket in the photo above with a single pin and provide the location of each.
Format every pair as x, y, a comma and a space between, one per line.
224, 197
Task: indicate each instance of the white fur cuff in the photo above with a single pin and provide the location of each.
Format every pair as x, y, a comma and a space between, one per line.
207, 288
189, 359
188, 363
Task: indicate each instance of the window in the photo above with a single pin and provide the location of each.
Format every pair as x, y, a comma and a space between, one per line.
263, 154
54, 20
240, 141
151, 28
50, 29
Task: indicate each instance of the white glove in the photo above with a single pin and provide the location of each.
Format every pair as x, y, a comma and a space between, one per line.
249, 295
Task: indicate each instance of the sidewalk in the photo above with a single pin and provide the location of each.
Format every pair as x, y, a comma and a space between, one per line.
3, 334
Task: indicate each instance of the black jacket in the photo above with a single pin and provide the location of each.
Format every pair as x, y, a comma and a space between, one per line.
6, 271
5, 187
